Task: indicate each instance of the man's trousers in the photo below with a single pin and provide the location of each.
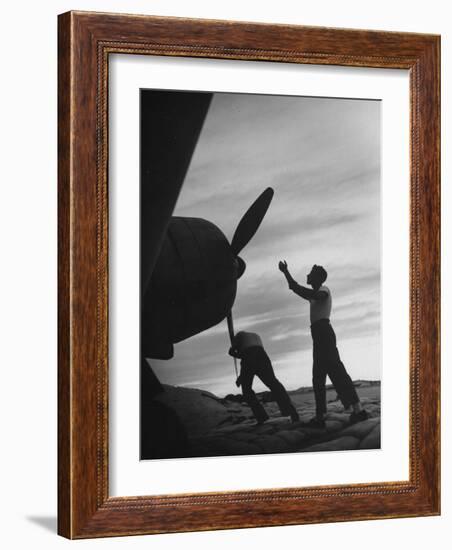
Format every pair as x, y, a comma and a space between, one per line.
255, 362
327, 362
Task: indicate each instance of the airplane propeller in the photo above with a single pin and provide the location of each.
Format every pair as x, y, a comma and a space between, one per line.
245, 231
251, 221
231, 337
248, 226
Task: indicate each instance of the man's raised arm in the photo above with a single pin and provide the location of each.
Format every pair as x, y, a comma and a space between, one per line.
302, 291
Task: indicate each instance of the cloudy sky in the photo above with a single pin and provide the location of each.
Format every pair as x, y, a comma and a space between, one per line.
322, 158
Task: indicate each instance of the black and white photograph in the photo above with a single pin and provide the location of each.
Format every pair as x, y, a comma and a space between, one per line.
260, 250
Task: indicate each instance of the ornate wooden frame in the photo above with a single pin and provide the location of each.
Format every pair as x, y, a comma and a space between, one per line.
85, 42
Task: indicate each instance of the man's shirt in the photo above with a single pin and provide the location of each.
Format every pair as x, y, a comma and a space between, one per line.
321, 309
244, 340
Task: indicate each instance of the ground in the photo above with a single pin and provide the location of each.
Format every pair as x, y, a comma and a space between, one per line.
223, 427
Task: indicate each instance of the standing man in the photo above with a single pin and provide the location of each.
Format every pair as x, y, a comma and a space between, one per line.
327, 361
255, 362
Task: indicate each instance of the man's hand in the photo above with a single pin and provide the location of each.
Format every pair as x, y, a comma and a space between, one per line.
283, 266
238, 382
301, 291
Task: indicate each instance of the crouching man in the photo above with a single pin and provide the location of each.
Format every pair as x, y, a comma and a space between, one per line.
254, 361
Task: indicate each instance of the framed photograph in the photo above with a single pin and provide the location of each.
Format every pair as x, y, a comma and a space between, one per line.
248, 275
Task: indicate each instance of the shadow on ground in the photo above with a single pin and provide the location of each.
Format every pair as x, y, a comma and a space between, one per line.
49, 523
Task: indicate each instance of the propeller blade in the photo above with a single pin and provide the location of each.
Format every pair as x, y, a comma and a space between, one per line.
251, 221
230, 327
231, 336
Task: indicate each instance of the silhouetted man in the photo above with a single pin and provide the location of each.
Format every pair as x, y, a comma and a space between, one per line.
326, 359
255, 362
